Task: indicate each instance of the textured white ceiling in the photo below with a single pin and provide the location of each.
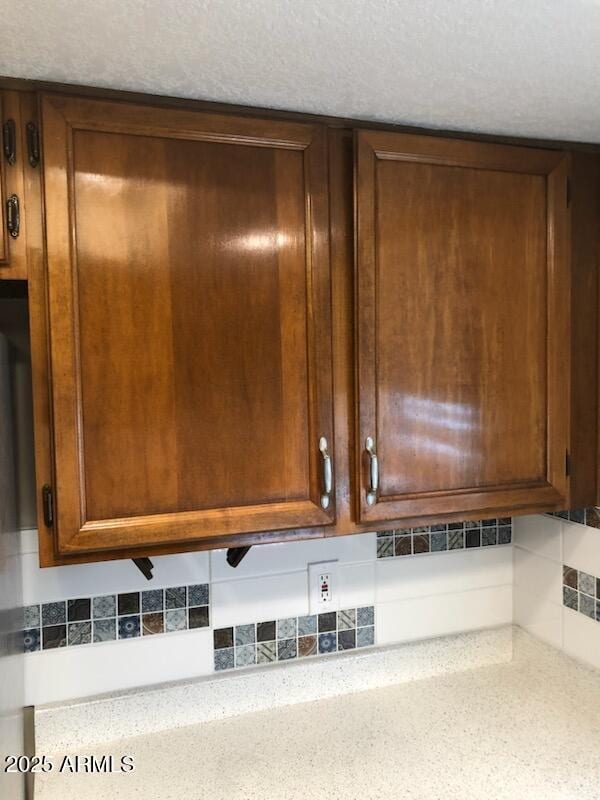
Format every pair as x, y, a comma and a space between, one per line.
525, 67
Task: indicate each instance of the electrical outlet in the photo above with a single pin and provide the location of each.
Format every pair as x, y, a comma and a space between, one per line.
323, 587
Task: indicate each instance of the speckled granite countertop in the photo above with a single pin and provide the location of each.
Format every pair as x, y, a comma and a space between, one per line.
527, 730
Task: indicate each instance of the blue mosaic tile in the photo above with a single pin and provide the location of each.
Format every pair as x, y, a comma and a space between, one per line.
505, 534
587, 583
286, 649
105, 630
54, 613
198, 594
175, 620
456, 540
176, 597
129, 627
346, 619
385, 547
286, 628
153, 600
346, 640
105, 606
266, 652
439, 541
244, 634
224, 659
31, 640
570, 598
365, 616
307, 625
79, 633
327, 643
245, 655
489, 536
31, 617
587, 605
365, 636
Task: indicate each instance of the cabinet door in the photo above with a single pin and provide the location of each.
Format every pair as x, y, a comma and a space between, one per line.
4, 254
189, 306
462, 343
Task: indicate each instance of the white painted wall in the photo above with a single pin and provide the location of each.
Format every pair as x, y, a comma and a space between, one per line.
541, 546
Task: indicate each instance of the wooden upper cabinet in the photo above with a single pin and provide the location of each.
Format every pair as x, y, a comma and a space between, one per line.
13, 163
462, 326
189, 318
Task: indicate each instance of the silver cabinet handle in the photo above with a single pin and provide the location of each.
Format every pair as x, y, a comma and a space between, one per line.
327, 473
373, 471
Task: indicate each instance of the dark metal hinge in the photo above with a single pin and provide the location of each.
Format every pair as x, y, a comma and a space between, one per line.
33, 144
9, 141
48, 503
568, 192
567, 463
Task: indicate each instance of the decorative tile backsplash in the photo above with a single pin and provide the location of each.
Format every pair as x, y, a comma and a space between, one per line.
438, 538
581, 592
584, 516
293, 637
87, 620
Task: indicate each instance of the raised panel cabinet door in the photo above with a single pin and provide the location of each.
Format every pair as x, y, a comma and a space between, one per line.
189, 307
462, 326
4, 251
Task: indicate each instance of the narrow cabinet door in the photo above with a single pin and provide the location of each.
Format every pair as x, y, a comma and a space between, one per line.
7, 133
462, 314
189, 304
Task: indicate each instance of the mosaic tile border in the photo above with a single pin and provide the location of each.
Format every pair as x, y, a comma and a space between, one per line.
581, 592
293, 637
583, 516
115, 617
444, 537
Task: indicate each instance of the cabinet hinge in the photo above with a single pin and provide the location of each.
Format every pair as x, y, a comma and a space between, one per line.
48, 504
567, 463
568, 192
9, 141
33, 144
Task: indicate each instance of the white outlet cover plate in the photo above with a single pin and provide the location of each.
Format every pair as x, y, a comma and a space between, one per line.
315, 605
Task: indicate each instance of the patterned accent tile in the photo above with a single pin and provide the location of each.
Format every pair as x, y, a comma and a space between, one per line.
176, 597
286, 628
421, 543
224, 659
457, 526
128, 603
489, 536
505, 534
346, 619
198, 617
385, 547
79, 633
578, 515
286, 649
245, 634
365, 636
105, 606
327, 621
175, 620
456, 540
307, 646
223, 638
31, 617
473, 537
570, 598
129, 627
105, 630
31, 640
403, 546
54, 613
365, 616
570, 577
592, 517
439, 528
54, 636
266, 652
245, 655
587, 583
198, 595
78, 610
152, 600
346, 640
439, 541
587, 605
265, 631
153, 623
307, 625
327, 643
597, 610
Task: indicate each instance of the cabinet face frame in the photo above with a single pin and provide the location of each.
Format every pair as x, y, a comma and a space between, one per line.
4, 247
372, 147
74, 534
